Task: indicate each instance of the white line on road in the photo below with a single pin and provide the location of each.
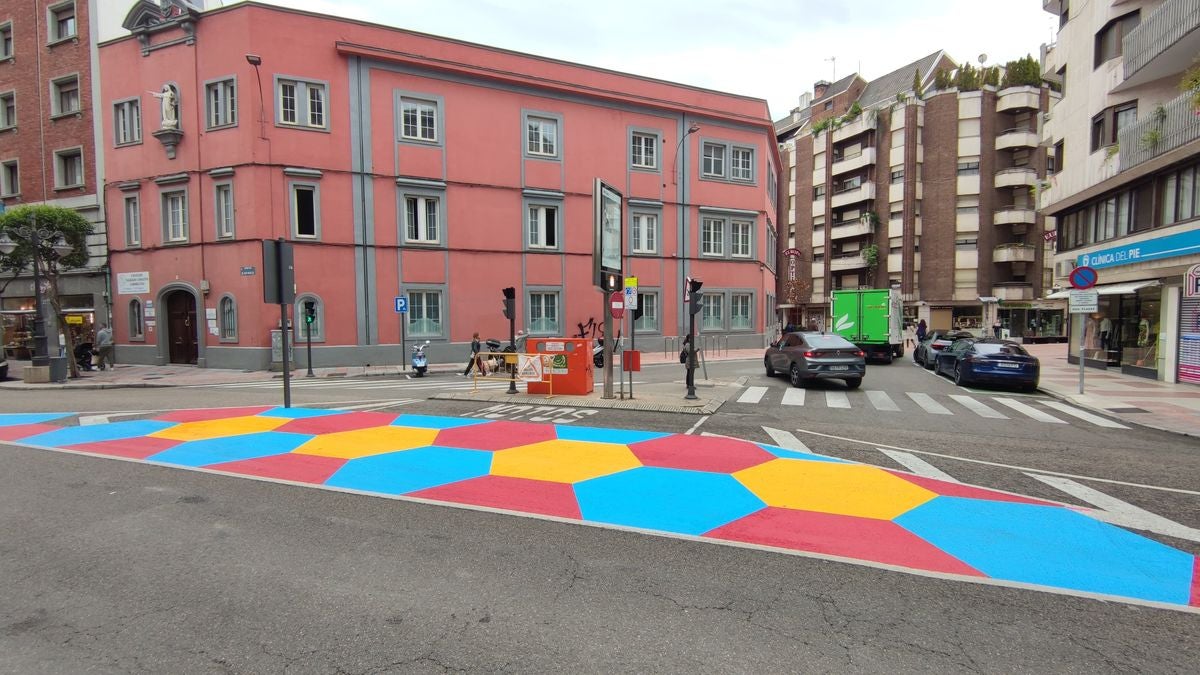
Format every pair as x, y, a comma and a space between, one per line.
752, 395
1084, 415
926, 401
837, 399
917, 465
977, 407
1117, 512
786, 440
377, 405
1028, 410
793, 396
696, 425
882, 401
88, 420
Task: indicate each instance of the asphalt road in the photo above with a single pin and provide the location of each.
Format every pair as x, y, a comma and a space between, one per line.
115, 566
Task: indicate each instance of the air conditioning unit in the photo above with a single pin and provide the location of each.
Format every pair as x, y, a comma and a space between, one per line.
1063, 268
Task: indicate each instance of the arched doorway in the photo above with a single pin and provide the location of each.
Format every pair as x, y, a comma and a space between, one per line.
182, 343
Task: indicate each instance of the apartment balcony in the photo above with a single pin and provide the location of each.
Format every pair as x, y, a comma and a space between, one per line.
1012, 139
1014, 253
862, 193
1017, 176
1013, 290
864, 123
850, 261
1163, 44
1017, 98
854, 228
1014, 215
1159, 132
852, 162
1056, 7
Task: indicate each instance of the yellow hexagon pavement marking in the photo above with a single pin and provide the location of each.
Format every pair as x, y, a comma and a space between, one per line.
563, 461
221, 428
366, 442
827, 487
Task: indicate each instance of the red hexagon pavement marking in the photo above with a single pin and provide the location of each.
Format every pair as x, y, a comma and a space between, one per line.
19, 431
139, 447
949, 489
493, 436
700, 453
330, 424
512, 494
289, 466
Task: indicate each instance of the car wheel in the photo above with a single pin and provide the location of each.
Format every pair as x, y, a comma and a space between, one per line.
959, 378
4, 373
1029, 388
853, 383
796, 377
887, 357
769, 369
916, 357
929, 365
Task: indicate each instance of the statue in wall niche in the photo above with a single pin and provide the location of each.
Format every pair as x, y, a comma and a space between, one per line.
170, 106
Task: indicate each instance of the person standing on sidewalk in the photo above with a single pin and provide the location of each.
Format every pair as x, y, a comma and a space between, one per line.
104, 346
476, 360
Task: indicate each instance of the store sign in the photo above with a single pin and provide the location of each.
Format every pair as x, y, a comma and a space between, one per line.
1171, 246
1191, 282
132, 283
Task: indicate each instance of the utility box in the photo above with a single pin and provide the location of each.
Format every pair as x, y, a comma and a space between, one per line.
871, 318
570, 371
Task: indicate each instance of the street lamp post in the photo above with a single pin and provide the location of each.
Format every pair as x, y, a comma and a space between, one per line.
35, 236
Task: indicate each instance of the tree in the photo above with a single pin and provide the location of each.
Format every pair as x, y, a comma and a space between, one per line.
60, 223
917, 82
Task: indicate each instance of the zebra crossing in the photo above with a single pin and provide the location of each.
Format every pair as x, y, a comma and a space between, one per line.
988, 407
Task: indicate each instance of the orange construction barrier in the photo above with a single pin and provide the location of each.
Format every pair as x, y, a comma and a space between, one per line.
570, 370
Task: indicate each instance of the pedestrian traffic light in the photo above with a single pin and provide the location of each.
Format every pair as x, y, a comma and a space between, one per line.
695, 300
613, 282
310, 311
510, 303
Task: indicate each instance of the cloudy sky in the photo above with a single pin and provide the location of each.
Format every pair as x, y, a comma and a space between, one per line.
772, 49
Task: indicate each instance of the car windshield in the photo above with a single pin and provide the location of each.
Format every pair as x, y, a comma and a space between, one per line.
820, 341
1000, 348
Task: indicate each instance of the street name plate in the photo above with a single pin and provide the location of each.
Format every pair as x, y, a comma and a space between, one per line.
1084, 302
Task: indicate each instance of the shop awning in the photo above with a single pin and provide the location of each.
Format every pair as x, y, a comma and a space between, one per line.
1111, 289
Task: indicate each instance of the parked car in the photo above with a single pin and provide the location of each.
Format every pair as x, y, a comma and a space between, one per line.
811, 356
937, 340
991, 361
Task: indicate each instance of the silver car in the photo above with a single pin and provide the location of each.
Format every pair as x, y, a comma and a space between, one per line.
812, 356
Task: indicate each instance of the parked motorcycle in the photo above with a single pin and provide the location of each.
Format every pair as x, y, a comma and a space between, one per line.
418, 359
598, 351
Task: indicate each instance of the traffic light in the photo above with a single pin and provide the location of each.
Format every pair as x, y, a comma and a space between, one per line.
695, 300
510, 303
310, 311
613, 282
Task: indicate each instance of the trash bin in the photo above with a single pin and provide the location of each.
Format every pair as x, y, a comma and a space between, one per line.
58, 369
571, 371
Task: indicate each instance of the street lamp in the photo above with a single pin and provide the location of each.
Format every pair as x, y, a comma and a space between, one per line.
675, 160
34, 236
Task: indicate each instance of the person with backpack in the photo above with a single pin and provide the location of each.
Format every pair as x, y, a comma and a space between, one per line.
921, 331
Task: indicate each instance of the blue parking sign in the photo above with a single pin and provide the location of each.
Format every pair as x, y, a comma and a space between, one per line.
402, 304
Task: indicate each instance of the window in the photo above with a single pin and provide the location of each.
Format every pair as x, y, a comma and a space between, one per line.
306, 219
541, 136
643, 233
543, 313
714, 160
421, 220
127, 122
713, 311
818, 192
1108, 40
418, 120
137, 322
898, 176
968, 168
739, 311
62, 22
314, 331
543, 227
739, 239
133, 222
1099, 135
1124, 115
743, 164
6, 41
221, 103
64, 96
8, 110
227, 310
772, 247
68, 168
302, 104
424, 313
712, 241
174, 216
223, 212
648, 304
829, 105
643, 151
1054, 163
10, 178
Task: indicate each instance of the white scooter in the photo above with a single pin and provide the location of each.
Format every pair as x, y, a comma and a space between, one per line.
420, 362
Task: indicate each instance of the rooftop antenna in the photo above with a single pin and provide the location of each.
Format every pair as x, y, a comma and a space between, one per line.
833, 60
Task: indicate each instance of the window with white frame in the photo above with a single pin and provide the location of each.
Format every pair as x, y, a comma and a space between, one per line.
643, 151
712, 236
421, 224
221, 103
714, 159
68, 168
306, 219
302, 104
304, 330
712, 312
425, 313
127, 122
137, 323
133, 221
739, 311
8, 110
64, 95
740, 239
10, 178
541, 136
223, 210
6, 40
543, 313
418, 119
648, 304
175, 216
742, 164
62, 21
643, 232
227, 310
542, 226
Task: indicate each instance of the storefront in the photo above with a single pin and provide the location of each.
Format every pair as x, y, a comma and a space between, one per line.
1123, 332
17, 315
1189, 328
1033, 322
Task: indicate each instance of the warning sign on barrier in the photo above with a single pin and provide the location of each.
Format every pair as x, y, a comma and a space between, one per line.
529, 368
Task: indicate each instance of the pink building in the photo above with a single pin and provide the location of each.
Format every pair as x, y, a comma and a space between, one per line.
403, 164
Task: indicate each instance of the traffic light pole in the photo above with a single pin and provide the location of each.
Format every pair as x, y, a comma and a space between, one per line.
308, 347
691, 366
605, 346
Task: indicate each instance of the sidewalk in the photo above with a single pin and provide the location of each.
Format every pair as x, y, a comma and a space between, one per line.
1136, 400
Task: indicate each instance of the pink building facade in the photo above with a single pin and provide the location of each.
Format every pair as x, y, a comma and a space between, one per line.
402, 164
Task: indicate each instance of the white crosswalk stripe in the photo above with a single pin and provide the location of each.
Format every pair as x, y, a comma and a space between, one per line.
837, 399
1029, 411
928, 404
793, 397
882, 401
977, 407
1117, 512
917, 465
752, 395
1085, 416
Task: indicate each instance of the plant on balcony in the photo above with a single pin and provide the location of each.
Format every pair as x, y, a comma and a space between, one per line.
1159, 115
1151, 138
1191, 84
942, 79
870, 256
916, 87
1111, 151
1023, 72
968, 78
991, 76
869, 218
824, 124
853, 113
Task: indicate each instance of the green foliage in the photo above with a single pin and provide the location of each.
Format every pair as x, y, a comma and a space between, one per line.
1111, 150
941, 79
66, 223
1024, 72
968, 78
916, 85
1191, 83
870, 255
824, 124
991, 76
1151, 138
853, 113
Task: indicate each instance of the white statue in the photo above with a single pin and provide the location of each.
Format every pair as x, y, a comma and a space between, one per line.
170, 115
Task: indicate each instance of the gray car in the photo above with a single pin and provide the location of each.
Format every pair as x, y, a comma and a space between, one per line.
816, 356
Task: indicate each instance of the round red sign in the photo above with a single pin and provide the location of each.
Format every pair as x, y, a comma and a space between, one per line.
616, 303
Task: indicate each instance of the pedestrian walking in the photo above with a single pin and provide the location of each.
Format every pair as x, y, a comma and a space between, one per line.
910, 335
996, 327
104, 346
476, 360
922, 330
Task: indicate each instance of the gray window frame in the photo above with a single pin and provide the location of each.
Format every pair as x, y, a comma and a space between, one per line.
656, 293
140, 315
750, 307
56, 83
230, 107
7, 122
222, 327
164, 214
318, 326
438, 290
722, 316
557, 291
749, 255
130, 240
726, 173
52, 35
133, 103
723, 231
58, 168
7, 27
656, 137
656, 213
294, 224
557, 202
403, 193
438, 104
772, 246
15, 164
557, 118
217, 216
302, 112
704, 159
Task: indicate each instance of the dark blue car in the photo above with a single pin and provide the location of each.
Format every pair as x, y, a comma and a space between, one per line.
989, 361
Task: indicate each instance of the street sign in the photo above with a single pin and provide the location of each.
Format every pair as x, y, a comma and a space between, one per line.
1083, 277
616, 303
1084, 302
631, 290
402, 304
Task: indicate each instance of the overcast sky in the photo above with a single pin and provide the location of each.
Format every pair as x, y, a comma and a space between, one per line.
771, 49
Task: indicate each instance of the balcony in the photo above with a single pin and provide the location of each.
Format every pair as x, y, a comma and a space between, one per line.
852, 162
1017, 138
849, 261
862, 193
1017, 176
1014, 215
852, 228
1056, 7
863, 123
1163, 44
1014, 253
1175, 126
1017, 98
1013, 290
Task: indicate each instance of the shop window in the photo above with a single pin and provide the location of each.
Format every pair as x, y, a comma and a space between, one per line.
137, 322
227, 311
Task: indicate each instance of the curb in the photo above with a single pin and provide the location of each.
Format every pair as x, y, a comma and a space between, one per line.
1108, 413
708, 407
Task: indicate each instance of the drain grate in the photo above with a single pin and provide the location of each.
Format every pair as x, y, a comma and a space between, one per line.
1127, 410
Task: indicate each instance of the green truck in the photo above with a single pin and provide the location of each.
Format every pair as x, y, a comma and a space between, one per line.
872, 319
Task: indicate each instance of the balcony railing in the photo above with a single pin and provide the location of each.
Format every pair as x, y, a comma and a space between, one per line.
1020, 137
1014, 215
1164, 43
1013, 290
849, 163
1016, 176
851, 228
1159, 132
1009, 253
862, 193
1016, 98
849, 261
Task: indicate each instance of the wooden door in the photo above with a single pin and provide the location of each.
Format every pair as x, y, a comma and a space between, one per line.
181, 327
